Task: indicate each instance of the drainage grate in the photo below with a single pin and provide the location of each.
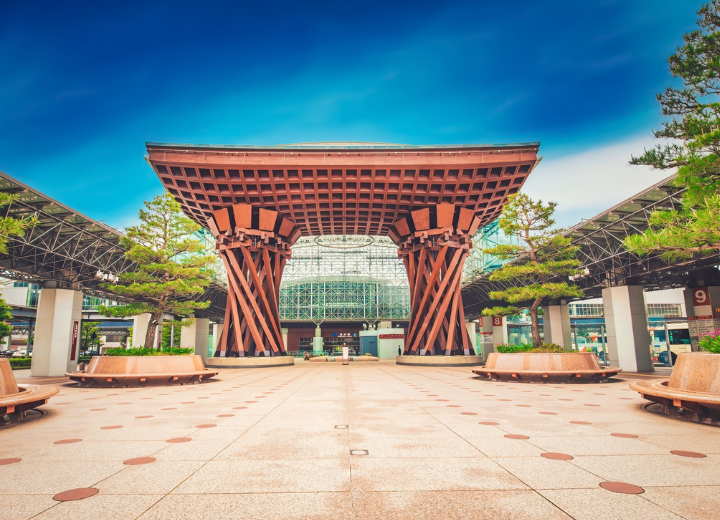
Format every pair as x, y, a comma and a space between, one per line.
341, 426
358, 452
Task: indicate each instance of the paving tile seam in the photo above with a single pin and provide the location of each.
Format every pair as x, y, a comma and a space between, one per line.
314, 373
204, 462
457, 435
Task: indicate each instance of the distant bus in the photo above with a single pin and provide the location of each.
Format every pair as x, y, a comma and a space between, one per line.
679, 341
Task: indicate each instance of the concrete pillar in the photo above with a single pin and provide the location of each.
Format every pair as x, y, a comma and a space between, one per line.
284, 338
140, 327
627, 328
486, 336
499, 328
196, 335
703, 318
318, 341
556, 325
470, 325
217, 332
57, 332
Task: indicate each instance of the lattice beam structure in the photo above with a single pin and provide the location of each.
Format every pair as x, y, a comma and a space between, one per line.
343, 188
434, 244
253, 244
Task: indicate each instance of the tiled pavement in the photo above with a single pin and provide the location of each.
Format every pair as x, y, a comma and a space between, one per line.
278, 448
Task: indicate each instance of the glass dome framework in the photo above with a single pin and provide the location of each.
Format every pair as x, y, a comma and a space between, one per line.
344, 278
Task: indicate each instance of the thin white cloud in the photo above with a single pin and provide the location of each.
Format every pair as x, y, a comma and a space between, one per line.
587, 183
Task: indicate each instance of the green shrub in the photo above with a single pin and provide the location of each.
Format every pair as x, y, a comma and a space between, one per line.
20, 362
142, 351
528, 347
510, 349
549, 347
710, 342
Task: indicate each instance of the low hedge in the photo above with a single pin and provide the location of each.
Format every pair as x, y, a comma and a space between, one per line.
529, 347
175, 351
17, 363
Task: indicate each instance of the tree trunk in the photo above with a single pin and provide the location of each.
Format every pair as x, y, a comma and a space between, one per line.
150, 334
534, 324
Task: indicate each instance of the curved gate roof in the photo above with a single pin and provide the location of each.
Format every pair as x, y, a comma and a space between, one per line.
343, 188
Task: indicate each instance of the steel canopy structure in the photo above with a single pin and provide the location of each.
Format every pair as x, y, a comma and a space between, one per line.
259, 200
605, 259
67, 248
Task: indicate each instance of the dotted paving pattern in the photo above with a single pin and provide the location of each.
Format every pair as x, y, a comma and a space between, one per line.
371, 440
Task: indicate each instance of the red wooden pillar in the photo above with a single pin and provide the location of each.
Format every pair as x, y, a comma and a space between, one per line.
434, 243
253, 244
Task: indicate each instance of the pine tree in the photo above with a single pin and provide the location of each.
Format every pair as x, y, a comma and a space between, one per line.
173, 267
5, 315
694, 131
544, 257
10, 227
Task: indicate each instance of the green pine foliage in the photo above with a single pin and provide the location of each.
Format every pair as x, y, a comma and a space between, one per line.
173, 268
693, 131
10, 226
5, 315
547, 259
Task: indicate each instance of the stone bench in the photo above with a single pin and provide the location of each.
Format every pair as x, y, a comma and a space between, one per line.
693, 390
16, 399
119, 371
575, 367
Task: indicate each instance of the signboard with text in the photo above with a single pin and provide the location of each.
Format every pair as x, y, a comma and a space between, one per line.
73, 345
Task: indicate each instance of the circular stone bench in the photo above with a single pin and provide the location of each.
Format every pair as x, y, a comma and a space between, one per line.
16, 399
576, 367
693, 391
118, 371
439, 361
249, 362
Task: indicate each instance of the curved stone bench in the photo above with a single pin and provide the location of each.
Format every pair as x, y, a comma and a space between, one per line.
576, 367
249, 362
439, 361
693, 390
115, 371
14, 398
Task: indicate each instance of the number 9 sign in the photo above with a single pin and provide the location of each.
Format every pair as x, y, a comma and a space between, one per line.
701, 296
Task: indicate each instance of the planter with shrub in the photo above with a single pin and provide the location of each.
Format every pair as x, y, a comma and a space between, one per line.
548, 363
143, 367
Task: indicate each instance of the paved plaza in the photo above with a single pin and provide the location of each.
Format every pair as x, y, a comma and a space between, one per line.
368, 440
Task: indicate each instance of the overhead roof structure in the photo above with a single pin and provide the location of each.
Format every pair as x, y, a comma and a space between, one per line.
64, 245
604, 257
69, 248
342, 188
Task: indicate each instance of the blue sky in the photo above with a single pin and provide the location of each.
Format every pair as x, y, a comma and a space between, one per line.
84, 85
